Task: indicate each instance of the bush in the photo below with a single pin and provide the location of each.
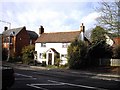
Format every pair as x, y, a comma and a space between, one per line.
98, 50
27, 54
76, 54
15, 59
25, 59
57, 62
116, 52
43, 63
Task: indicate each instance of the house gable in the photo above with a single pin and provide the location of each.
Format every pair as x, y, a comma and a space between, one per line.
14, 31
19, 37
52, 50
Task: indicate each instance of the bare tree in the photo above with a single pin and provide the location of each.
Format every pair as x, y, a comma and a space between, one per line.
109, 15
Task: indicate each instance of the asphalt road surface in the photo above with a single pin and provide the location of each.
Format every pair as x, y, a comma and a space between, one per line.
26, 79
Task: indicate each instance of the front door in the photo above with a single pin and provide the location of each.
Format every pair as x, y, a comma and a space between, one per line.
49, 58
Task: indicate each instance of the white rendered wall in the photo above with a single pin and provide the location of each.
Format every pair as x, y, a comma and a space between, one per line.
57, 46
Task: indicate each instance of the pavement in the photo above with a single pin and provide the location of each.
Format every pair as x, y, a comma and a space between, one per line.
83, 73
91, 73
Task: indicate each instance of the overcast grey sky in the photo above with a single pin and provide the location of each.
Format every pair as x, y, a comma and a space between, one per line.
54, 15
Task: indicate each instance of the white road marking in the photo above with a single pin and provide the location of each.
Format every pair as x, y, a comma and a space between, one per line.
55, 83
23, 75
89, 87
36, 87
18, 74
25, 79
48, 84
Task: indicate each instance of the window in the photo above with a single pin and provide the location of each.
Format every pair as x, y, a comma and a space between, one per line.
4, 40
63, 55
43, 44
64, 45
41, 55
10, 40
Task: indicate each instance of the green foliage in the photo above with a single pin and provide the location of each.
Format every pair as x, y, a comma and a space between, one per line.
14, 59
27, 53
43, 63
57, 59
116, 52
44, 55
99, 50
57, 62
98, 34
76, 54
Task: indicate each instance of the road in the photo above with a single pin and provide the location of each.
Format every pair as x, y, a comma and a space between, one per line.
26, 79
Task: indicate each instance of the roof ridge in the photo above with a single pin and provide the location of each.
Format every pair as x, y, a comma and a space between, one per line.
62, 32
16, 28
58, 36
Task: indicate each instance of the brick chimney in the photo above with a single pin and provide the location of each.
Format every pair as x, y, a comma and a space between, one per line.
82, 28
5, 28
82, 31
41, 30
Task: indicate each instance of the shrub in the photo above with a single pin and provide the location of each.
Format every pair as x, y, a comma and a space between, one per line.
116, 52
76, 54
27, 54
98, 50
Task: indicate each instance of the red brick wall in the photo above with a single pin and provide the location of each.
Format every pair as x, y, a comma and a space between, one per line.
22, 40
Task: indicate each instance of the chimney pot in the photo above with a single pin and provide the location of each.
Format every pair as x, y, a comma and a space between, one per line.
5, 28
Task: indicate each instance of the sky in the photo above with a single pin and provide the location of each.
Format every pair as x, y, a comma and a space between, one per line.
53, 15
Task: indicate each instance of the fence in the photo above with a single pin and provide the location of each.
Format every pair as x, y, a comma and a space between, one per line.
115, 62
109, 62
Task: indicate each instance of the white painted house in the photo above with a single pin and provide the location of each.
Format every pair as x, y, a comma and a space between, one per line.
51, 44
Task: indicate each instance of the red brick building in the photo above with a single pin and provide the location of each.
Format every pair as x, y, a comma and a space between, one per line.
15, 39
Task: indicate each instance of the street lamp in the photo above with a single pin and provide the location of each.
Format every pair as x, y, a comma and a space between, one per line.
6, 22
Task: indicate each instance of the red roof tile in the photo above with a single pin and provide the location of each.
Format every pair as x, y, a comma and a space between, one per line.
58, 37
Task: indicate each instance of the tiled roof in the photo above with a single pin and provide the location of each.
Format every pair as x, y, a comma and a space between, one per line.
10, 31
32, 34
58, 37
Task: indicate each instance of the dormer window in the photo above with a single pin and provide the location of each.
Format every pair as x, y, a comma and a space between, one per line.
43, 44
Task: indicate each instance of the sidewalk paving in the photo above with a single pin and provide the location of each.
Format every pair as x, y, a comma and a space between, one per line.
92, 74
